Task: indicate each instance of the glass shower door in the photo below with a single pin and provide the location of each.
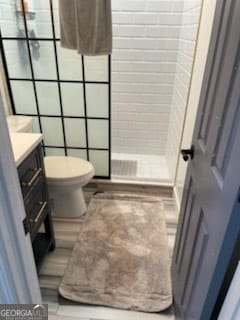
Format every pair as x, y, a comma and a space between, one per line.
68, 95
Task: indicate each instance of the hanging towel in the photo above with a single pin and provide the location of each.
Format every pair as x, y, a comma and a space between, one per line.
86, 25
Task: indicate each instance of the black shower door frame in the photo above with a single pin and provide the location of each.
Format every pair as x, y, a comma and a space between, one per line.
55, 40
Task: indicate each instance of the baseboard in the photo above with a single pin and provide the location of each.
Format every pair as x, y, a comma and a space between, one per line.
134, 182
126, 186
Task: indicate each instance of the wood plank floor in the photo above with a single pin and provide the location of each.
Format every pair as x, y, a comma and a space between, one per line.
66, 232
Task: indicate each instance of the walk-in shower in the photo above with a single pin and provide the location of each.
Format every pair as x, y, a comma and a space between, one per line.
123, 112
152, 59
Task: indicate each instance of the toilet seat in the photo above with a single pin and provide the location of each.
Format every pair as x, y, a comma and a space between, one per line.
63, 169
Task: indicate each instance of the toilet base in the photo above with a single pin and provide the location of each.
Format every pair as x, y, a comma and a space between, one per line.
68, 205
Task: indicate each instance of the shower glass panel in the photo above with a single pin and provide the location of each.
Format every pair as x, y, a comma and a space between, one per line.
23, 97
67, 94
97, 100
100, 140
96, 68
36, 127
48, 98
41, 24
78, 153
17, 58
54, 152
70, 64
43, 61
72, 99
99, 160
52, 130
75, 132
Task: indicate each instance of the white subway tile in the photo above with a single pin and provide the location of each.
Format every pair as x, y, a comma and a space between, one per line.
146, 18
165, 6
128, 5
143, 77
160, 31
141, 98
146, 67
141, 88
128, 31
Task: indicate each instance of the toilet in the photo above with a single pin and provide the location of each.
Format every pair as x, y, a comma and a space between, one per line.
65, 178
65, 175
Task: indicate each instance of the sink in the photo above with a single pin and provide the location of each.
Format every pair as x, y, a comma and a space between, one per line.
19, 123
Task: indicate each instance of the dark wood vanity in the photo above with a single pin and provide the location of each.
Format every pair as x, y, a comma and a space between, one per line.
38, 221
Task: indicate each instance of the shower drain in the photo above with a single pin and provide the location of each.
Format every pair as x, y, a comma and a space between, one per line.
124, 168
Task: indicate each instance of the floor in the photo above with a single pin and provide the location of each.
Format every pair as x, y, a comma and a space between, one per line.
151, 168
66, 232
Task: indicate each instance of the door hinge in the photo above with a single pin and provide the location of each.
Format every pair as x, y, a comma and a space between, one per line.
25, 225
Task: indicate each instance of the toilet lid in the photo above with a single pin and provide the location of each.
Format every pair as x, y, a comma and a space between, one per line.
66, 168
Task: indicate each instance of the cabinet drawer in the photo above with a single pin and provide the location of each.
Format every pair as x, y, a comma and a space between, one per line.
30, 171
37, 206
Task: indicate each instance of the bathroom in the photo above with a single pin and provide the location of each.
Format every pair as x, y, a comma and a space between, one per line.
128, 112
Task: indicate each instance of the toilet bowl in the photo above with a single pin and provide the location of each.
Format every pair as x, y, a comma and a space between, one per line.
65, 177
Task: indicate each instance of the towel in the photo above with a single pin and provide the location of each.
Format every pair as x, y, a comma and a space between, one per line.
86, 26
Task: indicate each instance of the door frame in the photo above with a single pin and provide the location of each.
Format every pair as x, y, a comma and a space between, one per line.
232, 267
18, 277
201, 51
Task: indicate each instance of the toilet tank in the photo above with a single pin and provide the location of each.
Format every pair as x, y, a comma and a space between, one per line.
20, 123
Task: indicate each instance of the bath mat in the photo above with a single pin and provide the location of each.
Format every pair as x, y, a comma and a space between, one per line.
124, 168
121, 257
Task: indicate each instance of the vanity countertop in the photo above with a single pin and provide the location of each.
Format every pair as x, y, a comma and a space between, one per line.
23, 144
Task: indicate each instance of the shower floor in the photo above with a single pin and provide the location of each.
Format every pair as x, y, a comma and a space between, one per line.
139, 167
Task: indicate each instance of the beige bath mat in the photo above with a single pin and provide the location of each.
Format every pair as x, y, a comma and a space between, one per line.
121, 257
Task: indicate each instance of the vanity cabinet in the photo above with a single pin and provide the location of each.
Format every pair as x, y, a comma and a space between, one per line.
38, 221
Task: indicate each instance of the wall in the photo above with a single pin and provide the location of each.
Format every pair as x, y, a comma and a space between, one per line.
146, 39
205, 28
191, 13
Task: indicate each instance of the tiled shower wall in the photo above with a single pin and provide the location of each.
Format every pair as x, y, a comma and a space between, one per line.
145, 53
186, 51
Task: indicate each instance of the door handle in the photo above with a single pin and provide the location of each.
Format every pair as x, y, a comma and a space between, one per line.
187, 154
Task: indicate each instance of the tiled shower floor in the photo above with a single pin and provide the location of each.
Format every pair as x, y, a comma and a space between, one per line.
135, 167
